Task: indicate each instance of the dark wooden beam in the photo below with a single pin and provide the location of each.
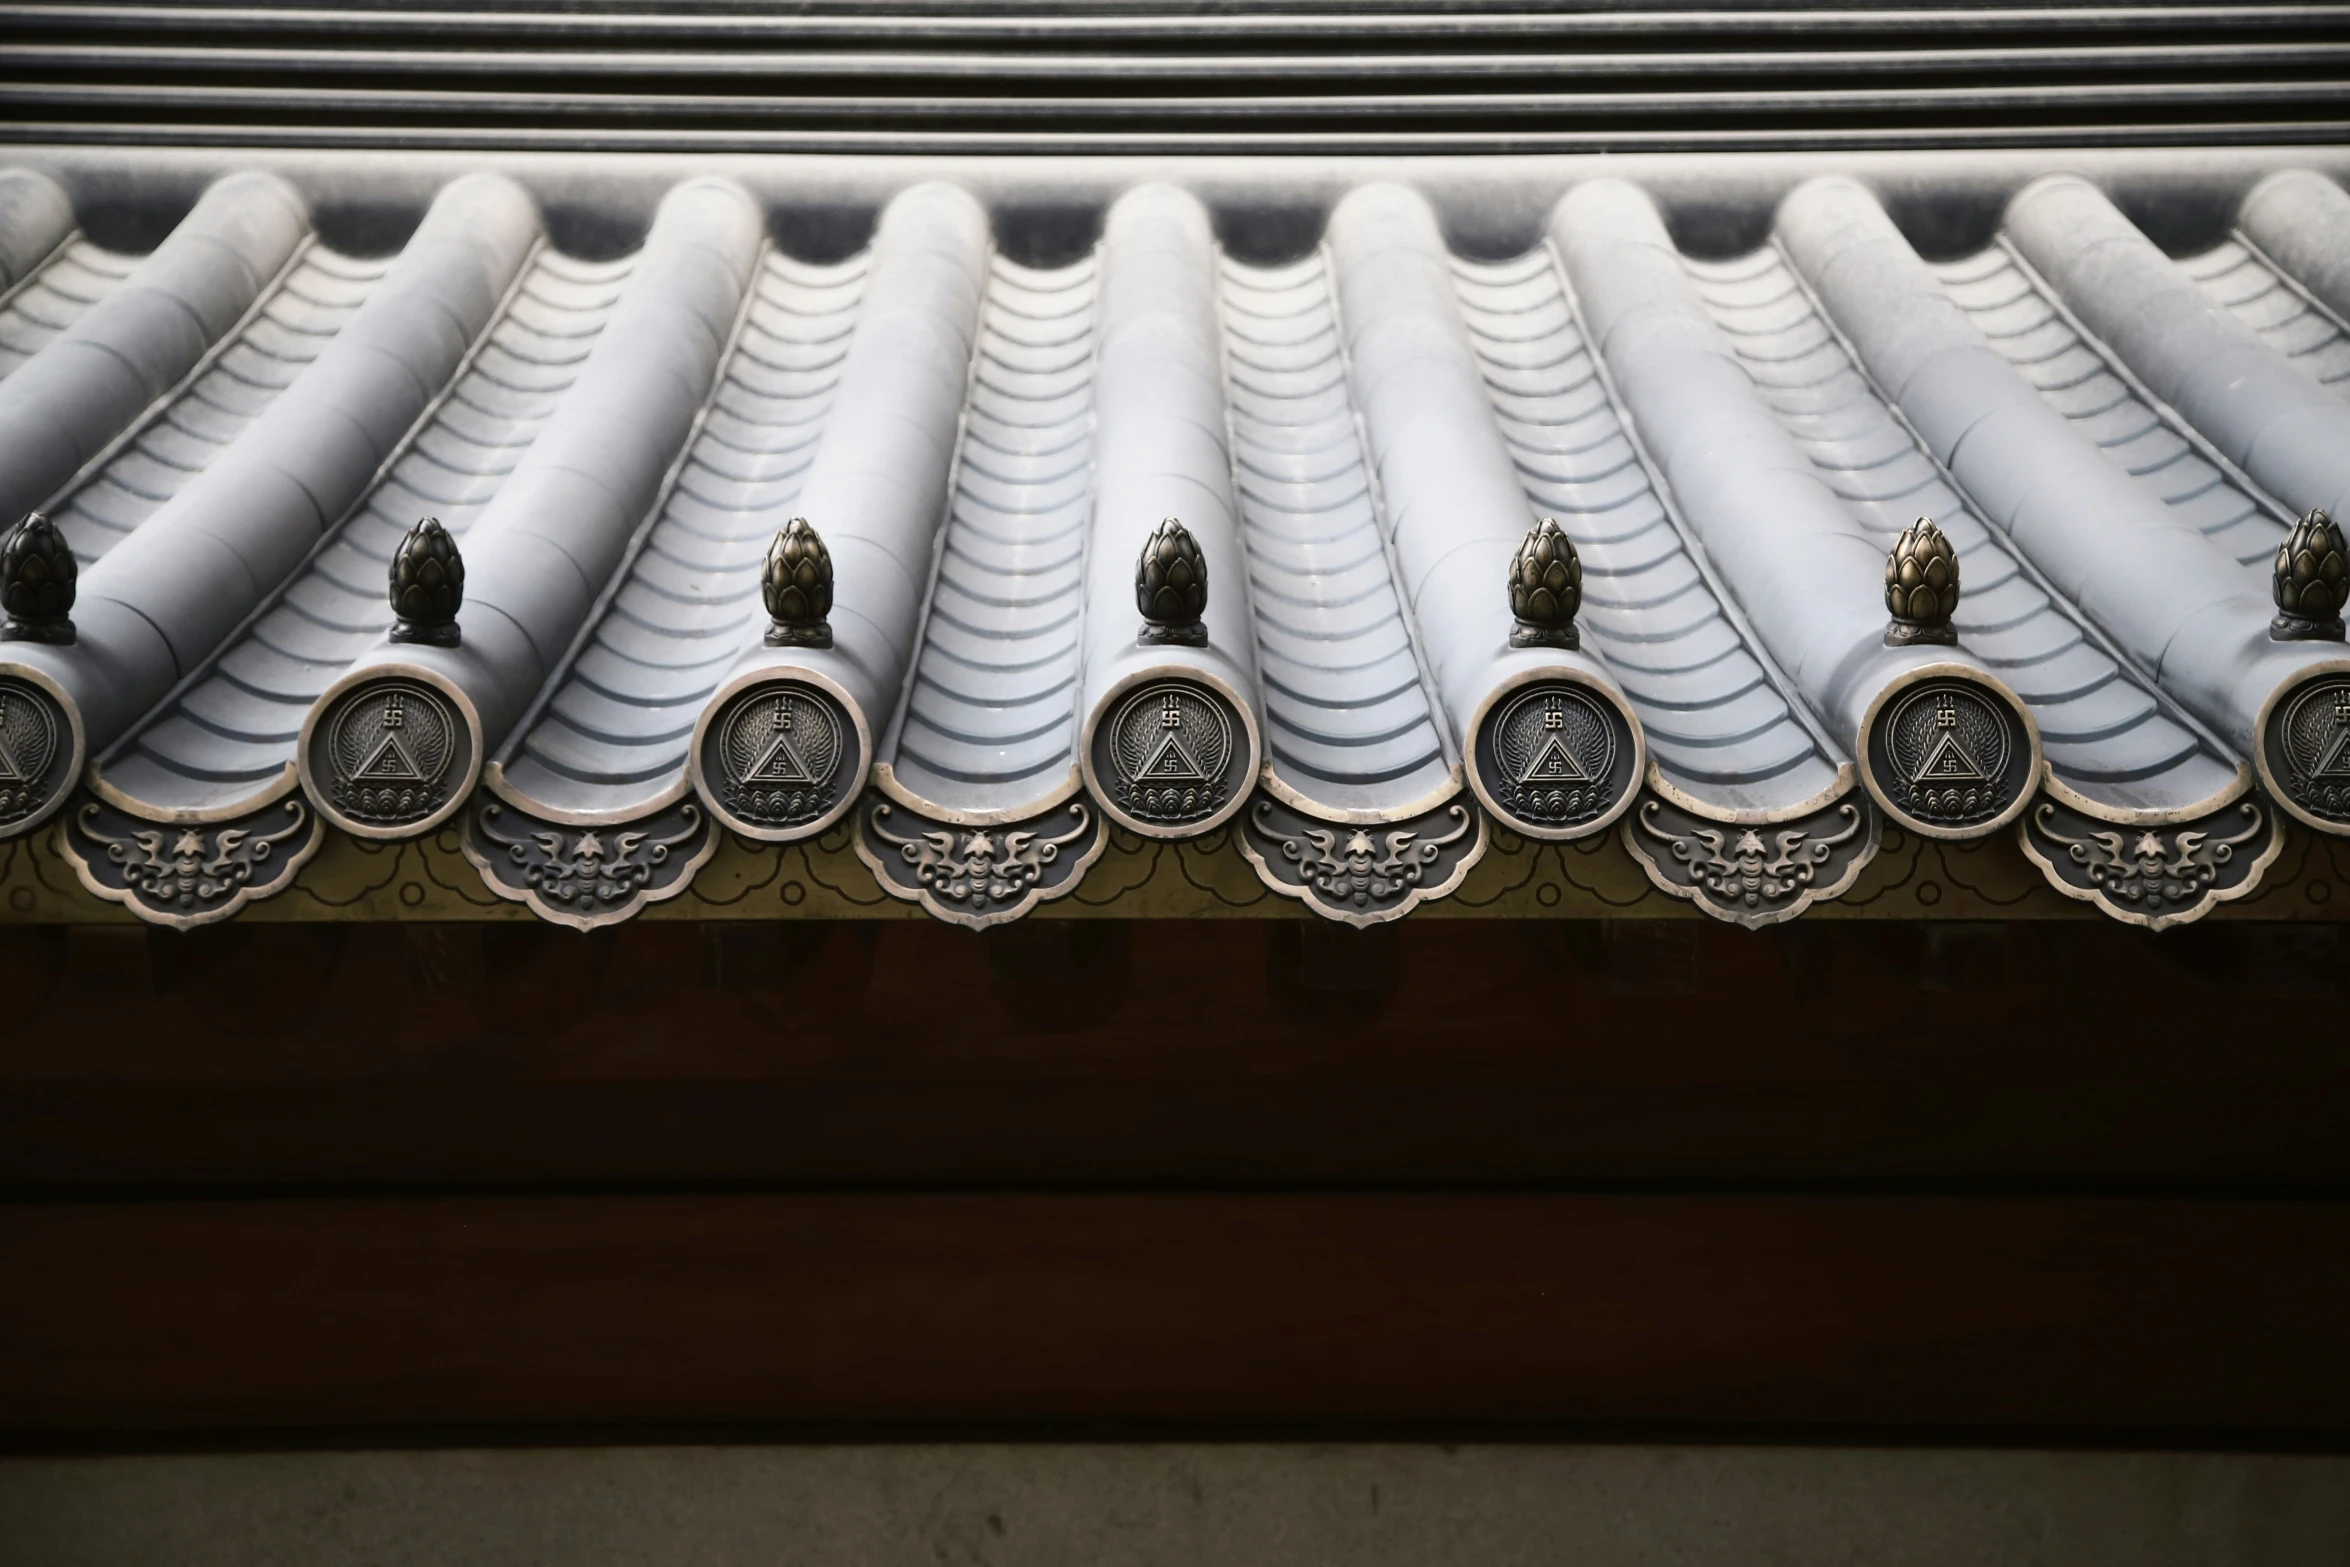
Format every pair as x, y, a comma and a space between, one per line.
2042, 1317
302, 1059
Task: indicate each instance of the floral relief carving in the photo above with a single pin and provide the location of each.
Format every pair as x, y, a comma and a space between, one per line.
1362, 873
190, 873
2158, 875
977, 868
586, 868
1752, 874
979, 875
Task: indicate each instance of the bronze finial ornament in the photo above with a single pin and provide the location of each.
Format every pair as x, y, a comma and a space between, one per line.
1921, 588
1171, 587
2312, 580
37, 573
1546, 588
797, 584
428, 586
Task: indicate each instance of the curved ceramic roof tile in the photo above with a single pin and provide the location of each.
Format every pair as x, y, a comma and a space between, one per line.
1456, 517
36, 220
873, 494
55, 297
2299, 220
1356, 442
547, 543
184, 431
2288, 433
2109, 736
1349, 724
49, 274
2178, 605
1807, 574
228, 736
612, 726
988, 724
157, 606
1161, 451
63, 406
1720, 729
2081, 380
2240, 279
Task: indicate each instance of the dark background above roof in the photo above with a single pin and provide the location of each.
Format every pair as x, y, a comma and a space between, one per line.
1306, 75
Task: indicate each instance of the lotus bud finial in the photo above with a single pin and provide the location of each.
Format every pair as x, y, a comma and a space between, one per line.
1171, 587
1546, 588
428, 586
37, 573
2312, 579
797, 584
1921, 587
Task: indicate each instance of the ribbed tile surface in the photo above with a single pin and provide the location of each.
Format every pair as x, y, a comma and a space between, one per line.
2106, 734
616, 728
1717, 725
238, 725
1349, 722
243, 376
52, 299
989, 708
2080, 383
2239, 280
990, 722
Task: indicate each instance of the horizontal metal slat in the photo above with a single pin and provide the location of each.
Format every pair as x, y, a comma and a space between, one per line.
274, 100
2129, 133
1188, 24
569, 65
1391, 75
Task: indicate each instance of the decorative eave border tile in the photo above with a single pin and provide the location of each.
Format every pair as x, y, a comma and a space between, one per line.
2157, 876
184, 874
978, 874
1363, 873
586, 876
1754, 874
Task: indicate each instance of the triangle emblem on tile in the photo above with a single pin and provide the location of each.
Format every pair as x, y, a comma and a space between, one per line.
1949, 763
1171, 763
2336, 763
780, 763
1554, 763
391, 763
